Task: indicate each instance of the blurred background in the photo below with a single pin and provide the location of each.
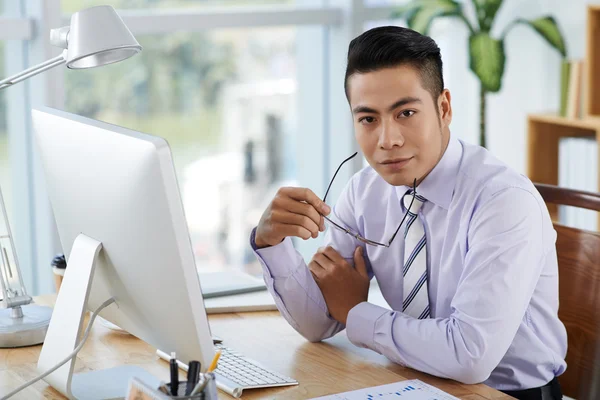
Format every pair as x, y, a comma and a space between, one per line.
249, 95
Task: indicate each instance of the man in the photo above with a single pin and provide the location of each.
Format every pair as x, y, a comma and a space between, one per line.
471, 275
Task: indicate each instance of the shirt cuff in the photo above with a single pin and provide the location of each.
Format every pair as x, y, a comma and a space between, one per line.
253, 239
276, 258
360, 324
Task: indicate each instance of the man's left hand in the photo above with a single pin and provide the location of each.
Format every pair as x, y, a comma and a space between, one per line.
342, 285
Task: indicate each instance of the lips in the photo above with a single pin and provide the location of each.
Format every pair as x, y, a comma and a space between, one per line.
395, 160
395, 164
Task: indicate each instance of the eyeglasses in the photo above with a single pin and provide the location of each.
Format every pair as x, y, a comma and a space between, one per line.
356, 235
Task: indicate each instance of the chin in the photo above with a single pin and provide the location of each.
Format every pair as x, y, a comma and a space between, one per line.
397, 178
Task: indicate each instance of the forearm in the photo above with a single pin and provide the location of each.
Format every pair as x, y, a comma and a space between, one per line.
295, 292
444, 347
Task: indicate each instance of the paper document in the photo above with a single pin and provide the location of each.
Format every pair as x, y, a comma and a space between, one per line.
405, 390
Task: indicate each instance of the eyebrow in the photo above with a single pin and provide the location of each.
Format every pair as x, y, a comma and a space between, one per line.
403, 101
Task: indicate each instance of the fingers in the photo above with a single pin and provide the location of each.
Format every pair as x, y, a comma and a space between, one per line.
328, 257
359, 262
307, 195
320, 265
316, 269
323, 261
288, 218
292, 230
293, 212
332, 255
296, 207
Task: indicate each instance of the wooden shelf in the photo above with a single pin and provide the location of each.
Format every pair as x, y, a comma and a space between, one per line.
589, 123
544, 133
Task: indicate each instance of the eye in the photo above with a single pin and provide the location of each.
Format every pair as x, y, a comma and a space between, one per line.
407, 113
366, 120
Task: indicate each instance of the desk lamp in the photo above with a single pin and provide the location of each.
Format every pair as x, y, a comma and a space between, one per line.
96, 36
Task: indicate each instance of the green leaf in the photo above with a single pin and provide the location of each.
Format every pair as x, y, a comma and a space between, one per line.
548, 29
487, 60
420, 13
486, 12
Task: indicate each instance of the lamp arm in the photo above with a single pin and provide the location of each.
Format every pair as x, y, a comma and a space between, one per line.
28, 73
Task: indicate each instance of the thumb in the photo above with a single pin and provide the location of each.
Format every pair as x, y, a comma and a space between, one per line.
359, 262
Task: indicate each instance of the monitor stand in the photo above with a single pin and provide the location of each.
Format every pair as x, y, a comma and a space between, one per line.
66, 326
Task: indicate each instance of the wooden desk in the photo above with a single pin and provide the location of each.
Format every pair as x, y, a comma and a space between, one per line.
333, 366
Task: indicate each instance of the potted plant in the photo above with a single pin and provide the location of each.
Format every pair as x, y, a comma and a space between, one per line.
486, 53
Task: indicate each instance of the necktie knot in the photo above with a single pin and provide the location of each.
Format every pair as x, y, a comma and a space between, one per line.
416, 204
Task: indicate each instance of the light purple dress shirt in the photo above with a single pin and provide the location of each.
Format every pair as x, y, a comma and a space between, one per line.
492, 275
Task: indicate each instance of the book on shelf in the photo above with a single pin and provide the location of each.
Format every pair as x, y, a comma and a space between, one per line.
571, 88
578, 169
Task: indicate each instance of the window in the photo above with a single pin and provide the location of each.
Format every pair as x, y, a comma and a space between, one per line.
70, 6
247, 106
5, 170
226, 102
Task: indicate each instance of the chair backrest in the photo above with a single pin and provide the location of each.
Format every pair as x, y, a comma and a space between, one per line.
579, 294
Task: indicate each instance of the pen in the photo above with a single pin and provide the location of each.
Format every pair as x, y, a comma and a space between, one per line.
199, 386
213, 364
202, 385
192, 376
174, 374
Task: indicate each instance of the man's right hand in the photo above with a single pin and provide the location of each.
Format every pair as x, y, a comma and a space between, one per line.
293, 212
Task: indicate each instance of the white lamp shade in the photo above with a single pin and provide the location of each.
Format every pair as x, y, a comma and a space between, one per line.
98, 36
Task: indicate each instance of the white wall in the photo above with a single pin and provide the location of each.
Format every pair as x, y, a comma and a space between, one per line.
531, 79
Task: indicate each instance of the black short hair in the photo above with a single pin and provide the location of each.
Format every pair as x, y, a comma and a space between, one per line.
391, 46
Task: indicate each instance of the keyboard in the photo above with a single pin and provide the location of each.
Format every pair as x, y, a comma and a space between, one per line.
236, 372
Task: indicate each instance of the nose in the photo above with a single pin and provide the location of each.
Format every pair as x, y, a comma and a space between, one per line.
390, 135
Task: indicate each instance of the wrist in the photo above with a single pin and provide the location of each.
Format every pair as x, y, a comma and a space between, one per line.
258, 241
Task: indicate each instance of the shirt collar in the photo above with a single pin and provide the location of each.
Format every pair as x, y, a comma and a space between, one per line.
438, 186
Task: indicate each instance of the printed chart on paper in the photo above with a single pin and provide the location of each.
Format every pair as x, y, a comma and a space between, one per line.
405, 390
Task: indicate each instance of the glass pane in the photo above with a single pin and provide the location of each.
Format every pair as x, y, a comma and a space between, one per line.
5, 178
226, 102
70, 6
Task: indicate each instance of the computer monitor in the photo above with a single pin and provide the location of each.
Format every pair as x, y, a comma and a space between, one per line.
122, 227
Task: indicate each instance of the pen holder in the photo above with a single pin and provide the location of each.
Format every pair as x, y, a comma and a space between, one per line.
209, 392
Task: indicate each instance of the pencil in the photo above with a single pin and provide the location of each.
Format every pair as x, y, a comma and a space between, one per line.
213, 364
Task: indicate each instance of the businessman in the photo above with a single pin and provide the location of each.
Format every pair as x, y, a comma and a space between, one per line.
472, 273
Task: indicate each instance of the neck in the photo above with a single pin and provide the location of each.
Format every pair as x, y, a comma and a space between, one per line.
445, 137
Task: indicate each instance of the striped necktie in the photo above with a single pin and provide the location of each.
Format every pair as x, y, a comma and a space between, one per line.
416, 297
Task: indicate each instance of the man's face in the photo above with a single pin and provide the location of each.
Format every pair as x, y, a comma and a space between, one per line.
396, 123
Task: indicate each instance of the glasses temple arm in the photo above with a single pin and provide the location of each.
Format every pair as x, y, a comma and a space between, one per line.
336, 172
409, 207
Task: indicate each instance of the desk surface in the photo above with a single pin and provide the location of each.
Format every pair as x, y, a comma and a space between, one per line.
321, 368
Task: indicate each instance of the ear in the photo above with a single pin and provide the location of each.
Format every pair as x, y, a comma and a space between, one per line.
445, 107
